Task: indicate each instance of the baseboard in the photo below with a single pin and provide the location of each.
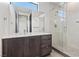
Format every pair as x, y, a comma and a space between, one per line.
65, 55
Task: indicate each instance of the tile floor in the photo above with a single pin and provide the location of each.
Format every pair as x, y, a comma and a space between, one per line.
55, 54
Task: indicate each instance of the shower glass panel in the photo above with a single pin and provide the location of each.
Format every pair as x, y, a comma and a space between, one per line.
59, 28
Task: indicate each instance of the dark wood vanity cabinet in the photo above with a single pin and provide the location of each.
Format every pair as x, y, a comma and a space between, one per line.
32, 46
12, 47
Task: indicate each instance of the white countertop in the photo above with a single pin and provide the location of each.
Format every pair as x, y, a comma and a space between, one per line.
21, 35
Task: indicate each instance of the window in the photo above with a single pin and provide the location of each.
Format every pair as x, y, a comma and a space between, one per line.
30, 5
61, 13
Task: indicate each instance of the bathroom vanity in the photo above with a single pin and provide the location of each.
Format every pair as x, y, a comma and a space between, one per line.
29, 45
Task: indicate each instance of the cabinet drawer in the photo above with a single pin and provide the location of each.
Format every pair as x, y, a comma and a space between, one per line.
45, 41
45, 45
45, 51
46, 37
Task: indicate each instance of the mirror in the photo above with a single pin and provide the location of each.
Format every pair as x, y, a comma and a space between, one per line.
22, 24
22, 21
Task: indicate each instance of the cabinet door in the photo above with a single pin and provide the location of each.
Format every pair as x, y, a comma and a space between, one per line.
34, 46
13, 47
26, 47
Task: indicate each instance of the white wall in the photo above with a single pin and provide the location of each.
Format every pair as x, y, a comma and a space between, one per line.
4, 14
72, 17
7, 12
